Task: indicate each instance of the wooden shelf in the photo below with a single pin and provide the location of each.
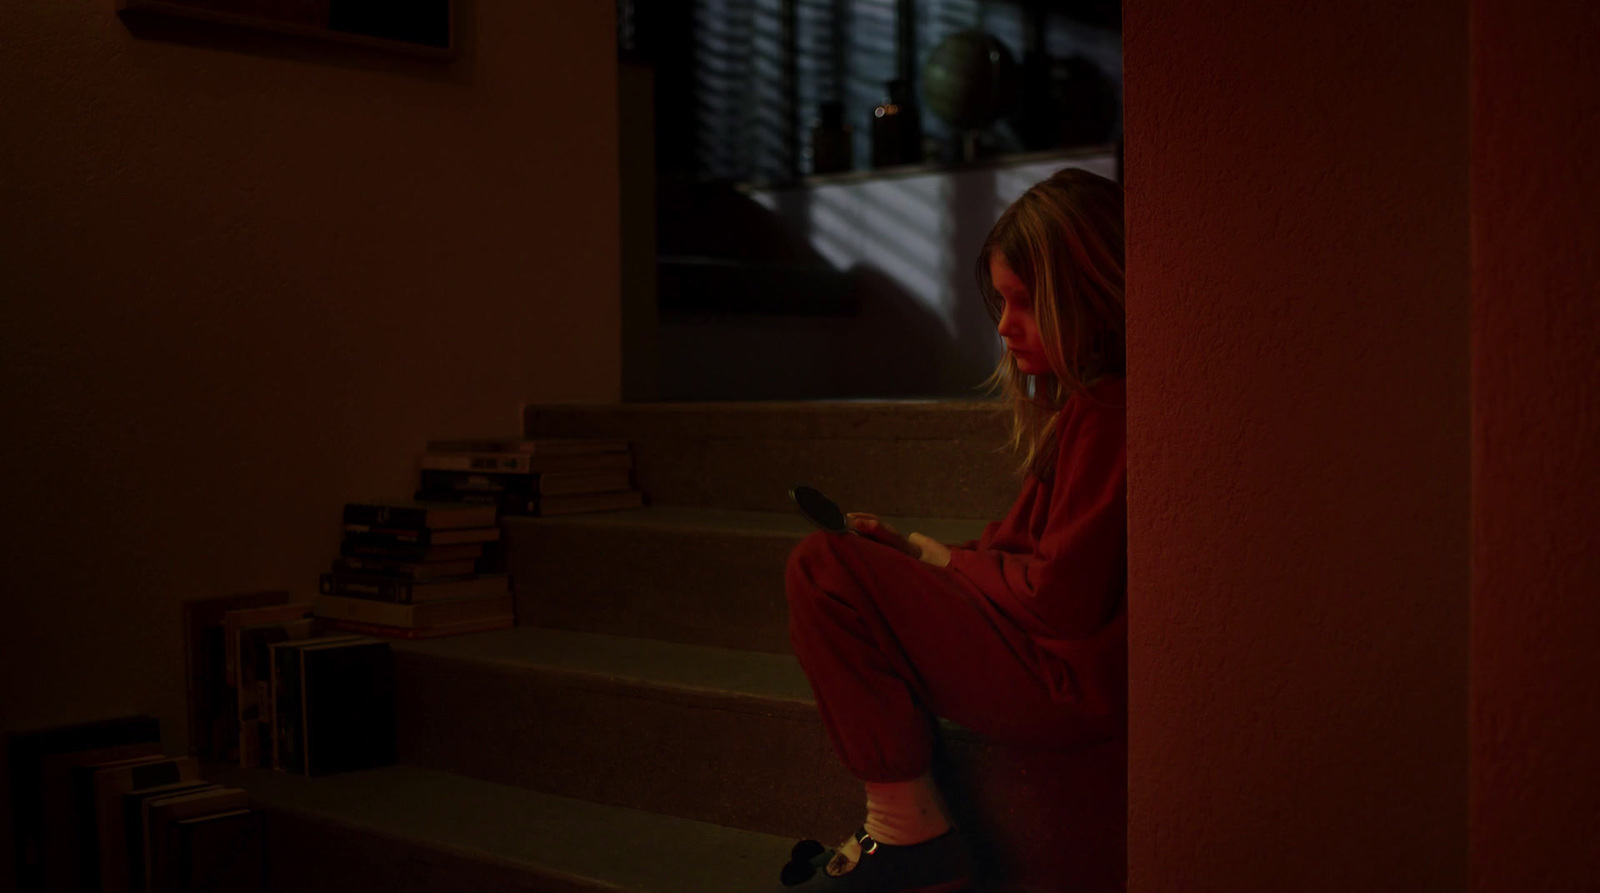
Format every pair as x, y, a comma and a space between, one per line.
1014, 159
178, 9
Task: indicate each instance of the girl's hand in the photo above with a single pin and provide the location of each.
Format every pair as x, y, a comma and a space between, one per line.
916, 545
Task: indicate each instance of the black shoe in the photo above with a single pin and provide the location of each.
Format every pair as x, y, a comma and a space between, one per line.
940, 865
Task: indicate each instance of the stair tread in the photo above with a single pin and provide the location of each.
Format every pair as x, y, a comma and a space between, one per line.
620, 658
787, 524
701, 671
620, 848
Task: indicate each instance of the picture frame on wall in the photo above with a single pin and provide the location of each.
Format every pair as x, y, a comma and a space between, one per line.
417, 27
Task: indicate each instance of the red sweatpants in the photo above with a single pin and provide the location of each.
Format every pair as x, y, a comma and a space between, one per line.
889, 643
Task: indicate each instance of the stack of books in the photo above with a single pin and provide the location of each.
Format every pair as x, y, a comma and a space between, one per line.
102, 808
159, 827
249, 636
551, 476
416, 570
311, 700
333, 704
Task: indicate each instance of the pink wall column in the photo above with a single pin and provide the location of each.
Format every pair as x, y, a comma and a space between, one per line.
1299, 445
1536, 447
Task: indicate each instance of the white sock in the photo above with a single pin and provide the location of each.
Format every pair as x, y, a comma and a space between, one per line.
906, 812
899, 813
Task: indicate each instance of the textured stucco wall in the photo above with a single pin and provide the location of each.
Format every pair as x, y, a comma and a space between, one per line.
242, 280
1536, 439
1298, 305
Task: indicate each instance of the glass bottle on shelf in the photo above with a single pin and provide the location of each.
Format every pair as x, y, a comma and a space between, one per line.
896, 129
831, 143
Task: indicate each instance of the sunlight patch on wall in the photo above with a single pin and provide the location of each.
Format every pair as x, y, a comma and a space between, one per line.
920, 231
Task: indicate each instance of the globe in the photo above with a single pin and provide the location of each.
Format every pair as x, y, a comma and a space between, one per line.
970, 79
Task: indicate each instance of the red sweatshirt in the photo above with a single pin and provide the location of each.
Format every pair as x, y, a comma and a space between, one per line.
1054, 573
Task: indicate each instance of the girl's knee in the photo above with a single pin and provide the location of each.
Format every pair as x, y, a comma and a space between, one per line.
812, 561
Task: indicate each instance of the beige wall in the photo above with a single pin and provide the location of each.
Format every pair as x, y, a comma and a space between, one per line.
242, 280
1298, 456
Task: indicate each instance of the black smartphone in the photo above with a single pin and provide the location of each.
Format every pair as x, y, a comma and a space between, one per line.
819, 509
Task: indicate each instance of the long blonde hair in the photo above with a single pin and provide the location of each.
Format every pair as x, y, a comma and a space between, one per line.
1064, 240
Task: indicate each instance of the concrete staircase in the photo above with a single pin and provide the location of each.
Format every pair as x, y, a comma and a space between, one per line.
645, 729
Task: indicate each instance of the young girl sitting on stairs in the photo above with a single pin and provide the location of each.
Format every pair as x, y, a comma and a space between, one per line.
1021, 635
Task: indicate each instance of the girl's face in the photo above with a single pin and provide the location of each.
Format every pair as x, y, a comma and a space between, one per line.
1017, 325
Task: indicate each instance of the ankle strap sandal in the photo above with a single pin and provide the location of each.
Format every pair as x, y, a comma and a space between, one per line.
940, 865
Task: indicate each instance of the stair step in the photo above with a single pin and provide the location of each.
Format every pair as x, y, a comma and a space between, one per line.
602, 662
928, 458
733, 738
719, 735
404, 829
692, 575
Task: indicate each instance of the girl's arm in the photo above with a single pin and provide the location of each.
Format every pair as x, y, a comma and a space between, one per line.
1071, 582
918, 546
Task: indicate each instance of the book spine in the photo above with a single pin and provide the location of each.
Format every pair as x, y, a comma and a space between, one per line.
335, 607
378, 588
405, 570
163, 841
514, 463
290, 702
275, 693
361, 534
393, 551
406, 518
388, 536
435, 481
504, 503
299, 726
419, 540
133, 842
408, 551
559, 446
366, 586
